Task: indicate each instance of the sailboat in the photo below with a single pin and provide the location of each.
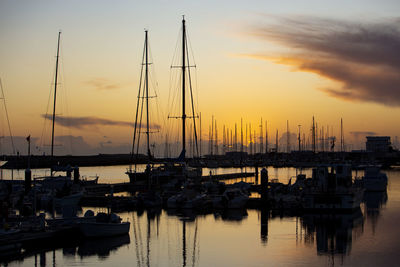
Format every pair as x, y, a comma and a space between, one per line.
178, 168
66, 194
54, 182
143, 96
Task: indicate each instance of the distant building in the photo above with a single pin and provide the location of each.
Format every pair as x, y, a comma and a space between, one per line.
378, 144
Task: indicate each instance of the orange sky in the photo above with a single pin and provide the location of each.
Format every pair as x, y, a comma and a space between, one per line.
242, 71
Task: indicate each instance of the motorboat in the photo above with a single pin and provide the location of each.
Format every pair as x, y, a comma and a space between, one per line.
187, 199
232, 198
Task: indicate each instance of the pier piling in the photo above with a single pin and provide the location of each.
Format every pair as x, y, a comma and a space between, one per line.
76, 175
264, 185
28, 180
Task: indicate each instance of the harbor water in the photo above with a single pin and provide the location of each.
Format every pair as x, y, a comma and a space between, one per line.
235, 238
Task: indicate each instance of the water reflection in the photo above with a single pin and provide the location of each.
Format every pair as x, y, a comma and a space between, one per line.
41, 251
265, 213
333, 232
231, 215
103, 246
236, 238
373, 203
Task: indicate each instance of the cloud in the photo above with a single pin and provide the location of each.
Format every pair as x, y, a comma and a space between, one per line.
363, 57
81, 122
102, 84
358, 133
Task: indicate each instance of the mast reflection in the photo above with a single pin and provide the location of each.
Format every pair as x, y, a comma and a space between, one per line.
333, 232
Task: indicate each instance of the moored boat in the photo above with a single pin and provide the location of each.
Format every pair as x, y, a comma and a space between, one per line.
332, 191
232, 198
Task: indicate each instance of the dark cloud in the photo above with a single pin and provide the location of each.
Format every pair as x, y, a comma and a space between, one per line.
358, 133
102, 84
20, 144
363, 57
81, 122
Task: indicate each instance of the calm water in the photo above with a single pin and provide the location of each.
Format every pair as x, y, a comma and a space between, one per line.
250, 238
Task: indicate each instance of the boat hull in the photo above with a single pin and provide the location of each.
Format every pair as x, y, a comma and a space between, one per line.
137, 176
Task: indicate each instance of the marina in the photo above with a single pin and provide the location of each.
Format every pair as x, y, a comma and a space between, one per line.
265, 135
272, 234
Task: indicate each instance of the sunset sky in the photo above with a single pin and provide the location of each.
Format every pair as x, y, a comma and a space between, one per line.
279, 60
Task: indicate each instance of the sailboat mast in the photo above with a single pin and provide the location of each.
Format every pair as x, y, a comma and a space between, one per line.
55, 95
241, 135
200, 136
147, 96
183, 87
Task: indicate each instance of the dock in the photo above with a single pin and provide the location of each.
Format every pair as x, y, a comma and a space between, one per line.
229, 176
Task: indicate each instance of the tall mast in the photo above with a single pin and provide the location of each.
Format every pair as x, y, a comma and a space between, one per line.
146, 77
255, 141
231, 141
55, 95
247, 144
266, 137
200, 137
212, 134
138, 122
235, 137
287, 137
223, 140
183, 87
251, 140
241, 135
8, 120
216, 138
341, 136
261, 137
209, 140
313, 134
299, 139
